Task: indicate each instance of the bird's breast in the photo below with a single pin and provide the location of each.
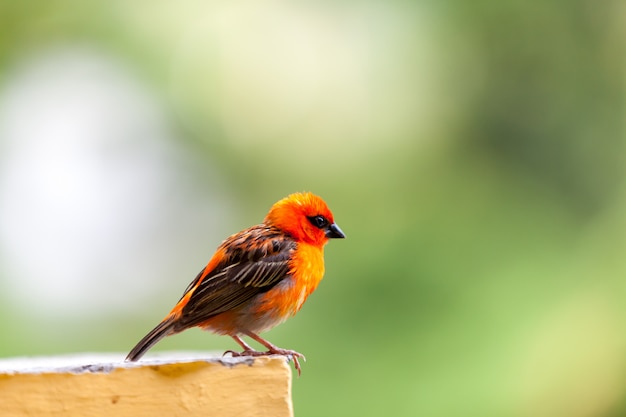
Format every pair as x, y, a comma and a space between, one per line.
287, 297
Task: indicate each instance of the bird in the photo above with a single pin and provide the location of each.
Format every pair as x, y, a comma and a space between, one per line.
256, 279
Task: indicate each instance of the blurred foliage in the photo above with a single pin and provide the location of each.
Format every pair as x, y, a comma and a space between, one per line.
484, 270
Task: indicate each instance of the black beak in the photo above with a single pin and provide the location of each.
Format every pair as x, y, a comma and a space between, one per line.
334, 232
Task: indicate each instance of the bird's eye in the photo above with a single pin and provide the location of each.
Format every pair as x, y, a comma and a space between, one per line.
318, 221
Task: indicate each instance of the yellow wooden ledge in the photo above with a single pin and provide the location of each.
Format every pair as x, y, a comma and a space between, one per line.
167, 385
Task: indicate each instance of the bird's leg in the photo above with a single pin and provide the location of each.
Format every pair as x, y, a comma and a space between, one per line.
275, 350
272, 350
247, 349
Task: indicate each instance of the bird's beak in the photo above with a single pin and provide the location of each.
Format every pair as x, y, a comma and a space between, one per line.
334, 232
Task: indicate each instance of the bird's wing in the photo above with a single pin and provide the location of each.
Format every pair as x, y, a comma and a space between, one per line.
253, 262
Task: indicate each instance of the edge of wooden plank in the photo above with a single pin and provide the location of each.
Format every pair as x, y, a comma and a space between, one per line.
181, 383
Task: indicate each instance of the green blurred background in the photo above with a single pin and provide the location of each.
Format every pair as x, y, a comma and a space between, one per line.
473, 153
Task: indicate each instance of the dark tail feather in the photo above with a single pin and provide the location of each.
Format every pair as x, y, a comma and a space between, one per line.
165, 328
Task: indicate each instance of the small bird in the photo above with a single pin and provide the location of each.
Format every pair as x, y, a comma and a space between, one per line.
256, 279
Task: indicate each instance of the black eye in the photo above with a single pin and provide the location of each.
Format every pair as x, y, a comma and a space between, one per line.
318, 221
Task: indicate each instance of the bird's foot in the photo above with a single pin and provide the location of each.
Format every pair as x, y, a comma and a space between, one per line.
289, 354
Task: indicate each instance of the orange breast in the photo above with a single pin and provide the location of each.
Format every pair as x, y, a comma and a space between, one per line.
307, 270
278, 304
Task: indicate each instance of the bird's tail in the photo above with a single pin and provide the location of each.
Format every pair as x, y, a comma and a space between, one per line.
165, 328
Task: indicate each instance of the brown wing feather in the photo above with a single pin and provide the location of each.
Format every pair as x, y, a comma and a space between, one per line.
256, 260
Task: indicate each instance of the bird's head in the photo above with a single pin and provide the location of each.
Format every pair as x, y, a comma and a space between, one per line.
305, 217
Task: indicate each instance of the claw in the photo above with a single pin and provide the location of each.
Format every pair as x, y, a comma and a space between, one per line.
232, 353
296, 365
244, 353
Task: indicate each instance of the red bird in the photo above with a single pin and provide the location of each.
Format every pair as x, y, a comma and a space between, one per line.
256, 279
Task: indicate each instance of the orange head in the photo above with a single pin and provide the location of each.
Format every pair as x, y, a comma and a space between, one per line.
305, 217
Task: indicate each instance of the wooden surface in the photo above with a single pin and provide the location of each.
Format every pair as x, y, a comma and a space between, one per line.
168, 385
